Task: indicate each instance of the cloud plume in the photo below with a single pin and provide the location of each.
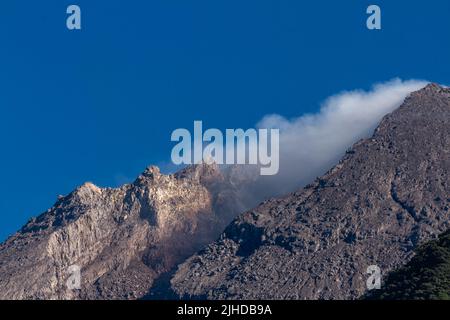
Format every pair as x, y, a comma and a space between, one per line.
311, 144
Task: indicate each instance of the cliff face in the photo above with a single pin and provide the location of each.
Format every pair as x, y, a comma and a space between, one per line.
122, 239
387, 195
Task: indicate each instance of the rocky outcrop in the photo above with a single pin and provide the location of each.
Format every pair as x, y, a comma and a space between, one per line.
386, 196
121, 239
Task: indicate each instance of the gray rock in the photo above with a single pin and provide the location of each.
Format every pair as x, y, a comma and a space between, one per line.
122, 239
387, 195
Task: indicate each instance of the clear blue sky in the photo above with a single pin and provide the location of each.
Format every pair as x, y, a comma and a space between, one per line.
100, 104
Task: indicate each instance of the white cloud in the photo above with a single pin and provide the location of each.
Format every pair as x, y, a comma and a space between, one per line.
311, 144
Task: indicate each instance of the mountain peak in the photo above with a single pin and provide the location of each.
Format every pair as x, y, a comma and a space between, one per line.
202, 172
382, 200
152, 171
136, 232
433, 86
90, 186
432, 89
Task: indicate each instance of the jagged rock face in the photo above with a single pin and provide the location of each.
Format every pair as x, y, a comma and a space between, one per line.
388, 194
122, 239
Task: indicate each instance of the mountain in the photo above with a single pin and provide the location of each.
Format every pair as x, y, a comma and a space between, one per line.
389, 194
426, 276
122, 239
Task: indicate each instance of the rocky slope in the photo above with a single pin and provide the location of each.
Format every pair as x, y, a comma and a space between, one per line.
123, 238
387, 195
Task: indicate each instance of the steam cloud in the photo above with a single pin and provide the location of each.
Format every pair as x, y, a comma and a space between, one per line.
311, 144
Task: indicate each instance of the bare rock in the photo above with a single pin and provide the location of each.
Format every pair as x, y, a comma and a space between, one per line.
387, 195
122, 239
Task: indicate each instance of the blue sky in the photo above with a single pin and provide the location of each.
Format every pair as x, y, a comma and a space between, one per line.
100, 104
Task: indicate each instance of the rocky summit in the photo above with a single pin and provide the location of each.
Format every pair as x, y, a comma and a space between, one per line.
386, 196
122, 239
